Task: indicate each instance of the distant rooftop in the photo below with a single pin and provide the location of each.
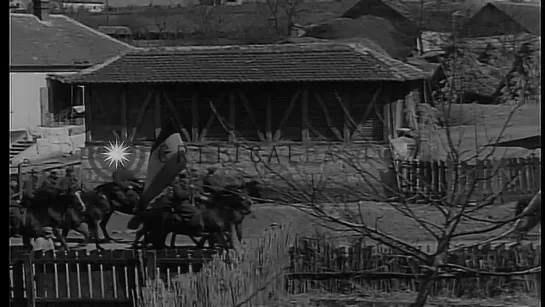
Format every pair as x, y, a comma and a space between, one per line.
59, 41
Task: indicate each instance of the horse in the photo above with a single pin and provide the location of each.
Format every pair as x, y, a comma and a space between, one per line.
247, 190
49, 209
44, 210
100, 204
121, 201
224, 210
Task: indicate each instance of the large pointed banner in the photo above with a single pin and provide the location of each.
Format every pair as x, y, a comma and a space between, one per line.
166, 160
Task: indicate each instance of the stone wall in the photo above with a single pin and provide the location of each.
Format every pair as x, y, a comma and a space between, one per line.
340, 164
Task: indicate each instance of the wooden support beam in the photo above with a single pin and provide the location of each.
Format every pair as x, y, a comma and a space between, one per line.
304, 116
398, 123
157, 114
124, 115
346, 119
174, 111
248, 108
286, 115
232, 119
211, 118
89, 123
140, 116
370, 105
44, 105
195, 116
328, 120
268, 120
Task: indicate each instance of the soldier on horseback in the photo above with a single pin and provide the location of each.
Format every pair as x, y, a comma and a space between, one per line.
184, 195
49, 183
210, 182
69, 186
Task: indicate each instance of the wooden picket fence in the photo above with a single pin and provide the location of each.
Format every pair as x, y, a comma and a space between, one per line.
515, 177
321, 265
111, 276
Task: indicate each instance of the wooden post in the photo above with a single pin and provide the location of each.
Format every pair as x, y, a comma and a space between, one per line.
29, 280
346, 118
268, 121
232, 119
151, 264
88, 114
20, 179
44, 105
157, 114
124, 115
140, 117
304, 116
398, 116
386, 123
195, 116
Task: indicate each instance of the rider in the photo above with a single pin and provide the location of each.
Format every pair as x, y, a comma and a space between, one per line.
125, 178
13, 187
182, 188
69, 185
183, 192
30, 185
211, 183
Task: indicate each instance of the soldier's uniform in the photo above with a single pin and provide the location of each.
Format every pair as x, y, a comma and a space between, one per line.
183, 192
13, 188
125, 178
49, 184
181, 188
30, 185
69, 184
211, 182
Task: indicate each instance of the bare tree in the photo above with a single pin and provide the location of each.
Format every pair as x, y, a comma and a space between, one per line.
284, 13
462, 204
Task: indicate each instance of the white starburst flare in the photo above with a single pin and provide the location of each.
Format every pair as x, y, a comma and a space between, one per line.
116, 154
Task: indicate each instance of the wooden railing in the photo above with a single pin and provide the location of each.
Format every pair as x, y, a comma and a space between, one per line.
514, 177
113, 276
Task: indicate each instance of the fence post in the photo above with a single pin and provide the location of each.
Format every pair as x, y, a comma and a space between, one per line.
151, 264
20, 180
29, 279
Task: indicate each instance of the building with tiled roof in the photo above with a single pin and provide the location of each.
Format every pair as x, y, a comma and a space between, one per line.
40, 44
504, 18
392, 10
235, 102
379, 30
309, 80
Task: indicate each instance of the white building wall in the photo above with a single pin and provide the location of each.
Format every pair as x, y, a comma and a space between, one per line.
24, 97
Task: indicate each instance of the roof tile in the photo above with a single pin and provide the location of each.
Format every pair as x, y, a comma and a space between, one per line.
251, 63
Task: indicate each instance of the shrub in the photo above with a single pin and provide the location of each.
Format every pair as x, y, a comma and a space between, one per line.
255, 274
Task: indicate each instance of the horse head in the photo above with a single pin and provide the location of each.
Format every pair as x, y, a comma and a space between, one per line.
253, 189
133, 197
237, 197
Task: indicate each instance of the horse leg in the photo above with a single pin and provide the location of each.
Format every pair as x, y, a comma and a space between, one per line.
139, 234
103, 224
27, 244
59, 236
238, 229
84, 232
93, 229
